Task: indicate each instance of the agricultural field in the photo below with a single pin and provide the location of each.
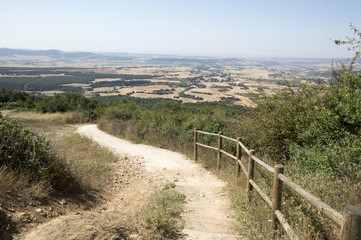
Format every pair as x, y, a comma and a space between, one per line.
234, 80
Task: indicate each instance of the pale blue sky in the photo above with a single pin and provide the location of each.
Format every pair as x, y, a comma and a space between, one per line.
187, 27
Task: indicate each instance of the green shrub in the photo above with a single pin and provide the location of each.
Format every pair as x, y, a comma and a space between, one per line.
315, 131
24, 151
120, 110
167, 124
10, 99
68, 102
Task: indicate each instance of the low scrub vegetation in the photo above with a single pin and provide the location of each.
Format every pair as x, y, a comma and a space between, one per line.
168, 124
29, 161
86, 108
28, 153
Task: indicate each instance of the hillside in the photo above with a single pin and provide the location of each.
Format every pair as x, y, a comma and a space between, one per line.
138, 173
312, 128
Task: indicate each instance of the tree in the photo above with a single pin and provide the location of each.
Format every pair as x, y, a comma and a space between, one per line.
345, 73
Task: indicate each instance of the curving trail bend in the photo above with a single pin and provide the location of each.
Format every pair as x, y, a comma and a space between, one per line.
207, 210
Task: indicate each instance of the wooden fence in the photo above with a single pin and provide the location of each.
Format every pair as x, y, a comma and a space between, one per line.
349, 222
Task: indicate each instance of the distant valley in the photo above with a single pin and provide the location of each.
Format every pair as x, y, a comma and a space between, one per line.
186, 79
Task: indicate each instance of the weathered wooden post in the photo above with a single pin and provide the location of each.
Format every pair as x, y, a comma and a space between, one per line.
238, 157
351, 224
277, 194
250, 173
195, 145
219, 149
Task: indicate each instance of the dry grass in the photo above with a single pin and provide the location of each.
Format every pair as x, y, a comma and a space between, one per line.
160, 217
253, 217
88, 161
54, 118
86, 227
14, 182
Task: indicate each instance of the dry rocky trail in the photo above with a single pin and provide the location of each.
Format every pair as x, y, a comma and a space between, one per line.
208, 213
142, 171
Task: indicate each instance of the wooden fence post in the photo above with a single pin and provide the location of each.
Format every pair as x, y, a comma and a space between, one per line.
219, 149
195, 145
277, 194
351, 224
238, 157
250, 172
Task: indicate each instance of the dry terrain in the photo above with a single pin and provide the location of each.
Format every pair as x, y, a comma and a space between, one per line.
228, 80
219, 82
208, 213
140, 171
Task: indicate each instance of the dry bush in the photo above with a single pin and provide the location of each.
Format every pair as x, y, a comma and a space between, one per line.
75, 117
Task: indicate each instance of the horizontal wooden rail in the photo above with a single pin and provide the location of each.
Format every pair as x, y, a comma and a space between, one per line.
350, 224
286, 226
228, 154
229, 138
331, 213
263, 164
207, 133
261, 193
244, 147
206, 146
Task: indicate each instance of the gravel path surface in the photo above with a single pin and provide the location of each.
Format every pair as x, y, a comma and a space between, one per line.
207, 210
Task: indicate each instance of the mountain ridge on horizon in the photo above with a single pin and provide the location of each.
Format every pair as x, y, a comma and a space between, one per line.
33, 52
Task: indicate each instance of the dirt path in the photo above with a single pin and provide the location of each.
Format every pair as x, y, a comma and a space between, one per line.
207, 210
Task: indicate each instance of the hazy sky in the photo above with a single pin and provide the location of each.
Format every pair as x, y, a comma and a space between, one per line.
292, 28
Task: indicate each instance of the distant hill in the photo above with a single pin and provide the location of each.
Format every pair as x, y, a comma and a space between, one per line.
7, 52
53, 55
25, 56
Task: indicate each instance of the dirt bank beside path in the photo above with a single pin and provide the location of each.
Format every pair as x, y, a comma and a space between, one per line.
207, 210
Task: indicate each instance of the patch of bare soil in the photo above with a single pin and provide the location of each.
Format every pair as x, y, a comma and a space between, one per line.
112, 218
19, 213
